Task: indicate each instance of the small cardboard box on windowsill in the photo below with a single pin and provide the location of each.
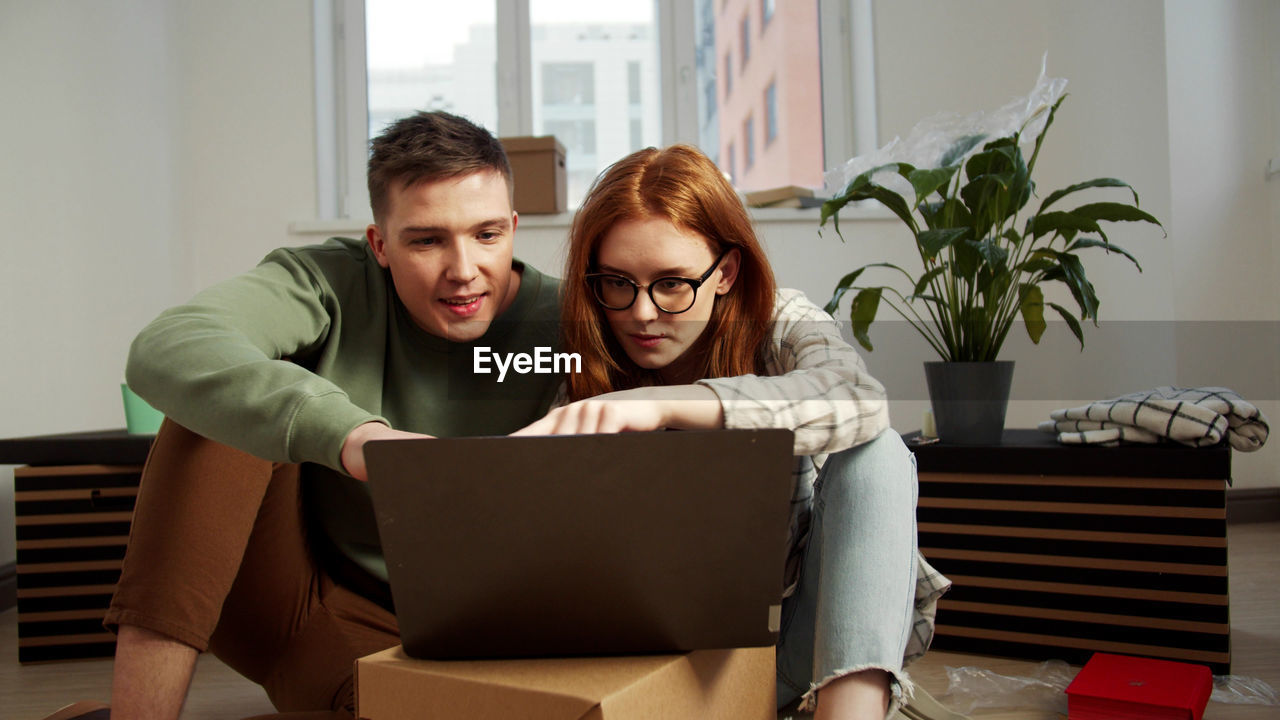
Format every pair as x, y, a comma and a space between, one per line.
538, 171
736, 684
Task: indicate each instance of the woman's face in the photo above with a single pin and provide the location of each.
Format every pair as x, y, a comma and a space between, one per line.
645, 251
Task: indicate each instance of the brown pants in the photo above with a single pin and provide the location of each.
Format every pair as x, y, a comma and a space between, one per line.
218, 559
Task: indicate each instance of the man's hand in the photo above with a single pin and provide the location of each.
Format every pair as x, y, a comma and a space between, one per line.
353, 446
687, 407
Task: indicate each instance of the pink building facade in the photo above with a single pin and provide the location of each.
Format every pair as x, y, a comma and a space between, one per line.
769, 83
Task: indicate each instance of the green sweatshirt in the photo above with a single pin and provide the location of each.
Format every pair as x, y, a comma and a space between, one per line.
286, 359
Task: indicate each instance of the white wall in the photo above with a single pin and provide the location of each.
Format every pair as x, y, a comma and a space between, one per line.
87, 204
150, 148
156, 147
1224, 127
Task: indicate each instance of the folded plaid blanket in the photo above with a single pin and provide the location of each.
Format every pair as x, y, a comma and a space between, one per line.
1191, 416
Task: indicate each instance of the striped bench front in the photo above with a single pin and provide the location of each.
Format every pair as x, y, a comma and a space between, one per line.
1062, 564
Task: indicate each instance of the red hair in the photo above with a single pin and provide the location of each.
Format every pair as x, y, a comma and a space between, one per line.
682, 186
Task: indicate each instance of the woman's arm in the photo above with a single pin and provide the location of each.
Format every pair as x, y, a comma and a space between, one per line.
815, 384
684, 407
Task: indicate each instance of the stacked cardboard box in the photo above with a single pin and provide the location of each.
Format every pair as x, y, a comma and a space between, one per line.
538, 171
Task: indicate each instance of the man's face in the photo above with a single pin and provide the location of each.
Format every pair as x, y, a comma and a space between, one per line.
448, 245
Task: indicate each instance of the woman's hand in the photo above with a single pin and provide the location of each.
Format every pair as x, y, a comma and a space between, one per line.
687, 407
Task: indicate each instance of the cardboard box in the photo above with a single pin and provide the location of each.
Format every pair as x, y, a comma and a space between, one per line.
702, 685
1118, 686
538, 170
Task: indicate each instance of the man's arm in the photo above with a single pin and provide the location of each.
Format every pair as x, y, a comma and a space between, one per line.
216, 365
353, 447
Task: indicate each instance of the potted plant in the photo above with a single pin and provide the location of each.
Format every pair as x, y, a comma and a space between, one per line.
981, 268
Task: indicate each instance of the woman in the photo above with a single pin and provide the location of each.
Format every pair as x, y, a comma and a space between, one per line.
671, 303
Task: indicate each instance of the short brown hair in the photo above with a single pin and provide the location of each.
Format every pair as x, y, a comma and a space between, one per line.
684, 186
430, 146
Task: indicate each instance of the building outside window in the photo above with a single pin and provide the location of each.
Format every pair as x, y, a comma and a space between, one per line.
728, 76
771, 113
786, 74
595, 80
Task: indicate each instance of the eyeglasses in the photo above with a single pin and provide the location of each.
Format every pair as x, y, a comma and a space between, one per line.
671, 295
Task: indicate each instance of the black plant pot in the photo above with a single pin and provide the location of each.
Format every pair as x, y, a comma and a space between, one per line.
969, 399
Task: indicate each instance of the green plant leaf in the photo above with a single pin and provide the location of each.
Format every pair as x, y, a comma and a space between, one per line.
1034, 265
967, 259
933, 242
847, 283
945, 214
1057, 195
1109, 247
1114, 212
842, 287
895, 203
1035, 154
857, 189
995, 255
1021, 188
1081, 288
1071, 323
924, 280
831, 211
992, 285
1031, 305
1060, 222
863, 313
982, 195
959, 149
927, 182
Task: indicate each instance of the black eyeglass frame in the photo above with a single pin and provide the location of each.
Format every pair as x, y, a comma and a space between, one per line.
694, 283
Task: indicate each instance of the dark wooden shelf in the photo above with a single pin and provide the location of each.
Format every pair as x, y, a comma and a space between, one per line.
1032, 452
98, 447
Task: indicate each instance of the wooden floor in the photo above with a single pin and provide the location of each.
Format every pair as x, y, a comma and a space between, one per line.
29, 692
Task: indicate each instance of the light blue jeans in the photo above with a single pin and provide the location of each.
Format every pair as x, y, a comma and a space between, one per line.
853, 607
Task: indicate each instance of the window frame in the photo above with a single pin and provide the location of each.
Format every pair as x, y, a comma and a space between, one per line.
341, 92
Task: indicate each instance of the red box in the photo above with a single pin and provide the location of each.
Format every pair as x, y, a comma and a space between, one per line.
1119, 686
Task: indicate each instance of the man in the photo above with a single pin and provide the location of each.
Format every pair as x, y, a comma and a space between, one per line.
272, 383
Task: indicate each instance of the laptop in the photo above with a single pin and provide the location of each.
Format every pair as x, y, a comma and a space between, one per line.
657, 542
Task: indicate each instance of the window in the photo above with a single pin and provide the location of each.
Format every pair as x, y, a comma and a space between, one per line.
792, 58
419, 59
637, 135
771, 113
568, 84
728, 76
633, 82
490, 60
